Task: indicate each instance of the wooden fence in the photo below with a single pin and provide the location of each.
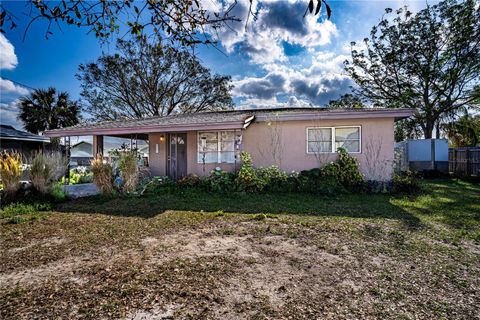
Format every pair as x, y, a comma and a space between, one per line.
464, 161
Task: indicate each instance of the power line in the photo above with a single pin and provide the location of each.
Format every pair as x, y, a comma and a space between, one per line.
19, 83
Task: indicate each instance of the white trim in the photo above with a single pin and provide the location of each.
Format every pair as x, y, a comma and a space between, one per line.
219, 143
333, 150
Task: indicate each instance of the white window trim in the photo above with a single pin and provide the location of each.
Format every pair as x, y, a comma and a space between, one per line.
219, 143
333, 139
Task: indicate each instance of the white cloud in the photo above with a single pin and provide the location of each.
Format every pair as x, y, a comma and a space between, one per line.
7, 86
276, 22
8, 114
8, 59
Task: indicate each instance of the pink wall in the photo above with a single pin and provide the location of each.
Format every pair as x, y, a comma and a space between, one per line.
284, 144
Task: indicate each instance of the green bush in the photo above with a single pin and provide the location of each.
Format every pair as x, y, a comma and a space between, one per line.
406, 182
19, 212
247, 179
190, 180
345, 170
219, 181
56, 193
315, 181
128, 166
78, 176
274, 179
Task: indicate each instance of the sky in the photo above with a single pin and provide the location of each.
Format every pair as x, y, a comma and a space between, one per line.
281, 59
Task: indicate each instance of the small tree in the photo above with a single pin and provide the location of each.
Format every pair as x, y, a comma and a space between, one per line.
46, 110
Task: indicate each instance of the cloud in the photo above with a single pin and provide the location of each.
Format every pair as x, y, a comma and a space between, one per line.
276, 22
316, 84
7, 86
9, 112
8, 59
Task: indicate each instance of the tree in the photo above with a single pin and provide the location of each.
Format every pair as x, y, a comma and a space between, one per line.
429, 61
46, 110
465, 132
348, 100
186, 22
148, 79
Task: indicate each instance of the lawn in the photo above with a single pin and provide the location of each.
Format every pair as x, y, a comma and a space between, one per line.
193, 255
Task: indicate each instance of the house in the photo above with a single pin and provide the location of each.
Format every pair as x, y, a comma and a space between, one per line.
81, 153
25, 143
295, 139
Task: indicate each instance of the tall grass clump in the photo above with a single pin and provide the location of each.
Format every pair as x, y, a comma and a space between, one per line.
102, 175
10, 171
128, 166
46, 169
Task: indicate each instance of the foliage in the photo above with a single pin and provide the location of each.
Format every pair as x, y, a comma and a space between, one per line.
347, 101
183, 22
220, 181
345, 170
46, 110
429, 61
190, 180
406, 182
273, 178
102, 175
45, 170
150, 79
247, 178
127, 164
464, 132
56, 193
10, 171
79, 175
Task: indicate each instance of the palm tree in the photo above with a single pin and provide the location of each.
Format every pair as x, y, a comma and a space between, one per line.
46, 110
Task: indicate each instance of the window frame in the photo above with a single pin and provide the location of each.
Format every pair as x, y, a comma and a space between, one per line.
333, 142
219, 143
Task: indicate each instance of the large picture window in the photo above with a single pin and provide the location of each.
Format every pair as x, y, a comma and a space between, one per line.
217, 147
329, 139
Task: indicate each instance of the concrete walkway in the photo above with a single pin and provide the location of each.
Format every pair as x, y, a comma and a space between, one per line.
81, 190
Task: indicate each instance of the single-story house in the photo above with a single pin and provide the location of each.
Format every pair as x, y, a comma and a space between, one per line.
25, 143
294, 139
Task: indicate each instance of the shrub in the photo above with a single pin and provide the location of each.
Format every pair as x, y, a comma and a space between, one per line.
102, 175
19, 212
345, 170
10, 171
219, 181
79, 175
273, 178
191, 180
127, 164
406, 182
315, 181
247, 179
46, 169
56, 193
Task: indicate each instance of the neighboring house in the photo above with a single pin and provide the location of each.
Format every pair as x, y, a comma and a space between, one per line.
25, 143
81, 153
292, 138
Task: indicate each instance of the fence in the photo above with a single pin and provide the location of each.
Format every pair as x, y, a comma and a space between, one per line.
464, 161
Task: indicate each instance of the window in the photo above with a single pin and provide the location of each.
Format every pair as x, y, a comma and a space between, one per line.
321, 140
217, 147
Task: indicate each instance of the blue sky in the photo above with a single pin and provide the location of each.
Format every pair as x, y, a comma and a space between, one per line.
280, 60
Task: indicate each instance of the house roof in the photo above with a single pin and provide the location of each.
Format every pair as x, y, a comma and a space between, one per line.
10, 133
218, 120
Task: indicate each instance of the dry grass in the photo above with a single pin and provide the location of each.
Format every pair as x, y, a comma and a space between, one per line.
102, 175
216, 265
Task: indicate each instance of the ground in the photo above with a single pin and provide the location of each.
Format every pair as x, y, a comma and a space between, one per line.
192, 255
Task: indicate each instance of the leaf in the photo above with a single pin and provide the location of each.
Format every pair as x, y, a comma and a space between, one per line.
319, 6
329, 11
310, 6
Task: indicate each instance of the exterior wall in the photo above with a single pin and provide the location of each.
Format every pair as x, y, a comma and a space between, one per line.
157, 161
290, 151
285, 144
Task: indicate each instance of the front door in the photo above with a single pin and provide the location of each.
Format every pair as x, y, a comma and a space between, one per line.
177, 155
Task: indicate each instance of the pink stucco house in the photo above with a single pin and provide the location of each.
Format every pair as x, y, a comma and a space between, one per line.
292, 138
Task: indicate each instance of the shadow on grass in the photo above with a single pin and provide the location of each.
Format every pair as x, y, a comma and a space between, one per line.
147, 206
